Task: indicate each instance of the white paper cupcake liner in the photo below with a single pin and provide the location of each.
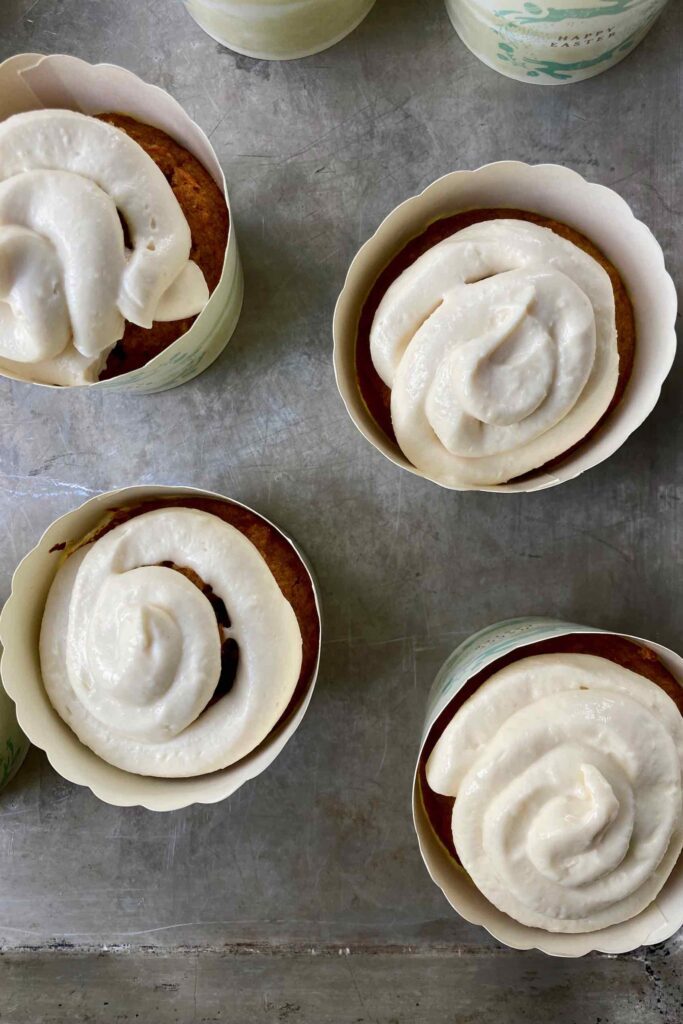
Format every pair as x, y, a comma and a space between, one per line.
658, 922
20, 624
560, 194
30, 81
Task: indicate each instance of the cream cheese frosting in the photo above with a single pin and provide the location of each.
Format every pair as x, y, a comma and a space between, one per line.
130, 649
499, 345
566, 772
68, 282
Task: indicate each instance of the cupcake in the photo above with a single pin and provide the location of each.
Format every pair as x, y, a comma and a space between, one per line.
178, 642
493, 344
551, 782
494, 347
101, 268
118, 263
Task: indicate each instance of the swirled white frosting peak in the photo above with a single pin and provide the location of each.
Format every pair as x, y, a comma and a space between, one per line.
566, 773
131, 650
67, 280
499, 345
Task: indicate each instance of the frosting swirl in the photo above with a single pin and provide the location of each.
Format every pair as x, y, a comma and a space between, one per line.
499, 345
131, 649
566, 773
68, 282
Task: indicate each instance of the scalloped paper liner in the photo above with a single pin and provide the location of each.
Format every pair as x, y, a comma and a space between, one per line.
555, 192
20, 623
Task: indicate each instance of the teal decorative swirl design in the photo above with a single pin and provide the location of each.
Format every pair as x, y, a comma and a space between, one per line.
536, 14
563, 70
516, 38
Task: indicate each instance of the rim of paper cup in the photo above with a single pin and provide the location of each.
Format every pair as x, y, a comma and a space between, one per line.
121, 381
507, 930
377, 252
45, 729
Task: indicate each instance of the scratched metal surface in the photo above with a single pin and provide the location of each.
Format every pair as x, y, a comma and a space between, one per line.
319, 853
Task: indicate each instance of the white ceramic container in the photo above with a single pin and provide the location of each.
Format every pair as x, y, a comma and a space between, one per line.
552, 42
278, 29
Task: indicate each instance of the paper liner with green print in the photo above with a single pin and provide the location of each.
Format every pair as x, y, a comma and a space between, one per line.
278, 29
655, 924
30, 81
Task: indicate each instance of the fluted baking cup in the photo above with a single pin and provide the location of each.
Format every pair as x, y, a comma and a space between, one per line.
656, 923
20, 624
560, 194
278, 29
30, 81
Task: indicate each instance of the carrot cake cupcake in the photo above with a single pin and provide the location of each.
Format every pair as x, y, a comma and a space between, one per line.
492, 345
178, 635
555, 781
112, 238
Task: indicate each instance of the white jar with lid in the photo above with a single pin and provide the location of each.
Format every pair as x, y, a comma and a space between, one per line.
278, 29
552, 42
